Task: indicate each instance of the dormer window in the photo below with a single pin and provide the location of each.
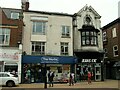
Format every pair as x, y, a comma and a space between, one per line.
14, 15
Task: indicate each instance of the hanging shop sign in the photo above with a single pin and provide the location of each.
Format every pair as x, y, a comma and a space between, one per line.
89, 60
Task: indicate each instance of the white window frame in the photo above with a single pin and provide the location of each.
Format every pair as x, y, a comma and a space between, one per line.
34, 31
13, 13
65, 31
114, 32
115, 50
41, 45
104, 36
6, 35
64, 45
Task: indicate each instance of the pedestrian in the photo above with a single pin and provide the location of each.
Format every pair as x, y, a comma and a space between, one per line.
71, 79
89, 77
28, 75
50, 78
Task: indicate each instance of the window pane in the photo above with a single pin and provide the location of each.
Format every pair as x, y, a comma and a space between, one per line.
38, 48
7, 31
64, 48
7, 39
0, 31
114, 33
89, 38
83, 33
4, 36
39, 28
116, 52
65, 31
15, 15
115, 48
95, 34
91, 33
83, 40
87, 33
1, 39
33, 47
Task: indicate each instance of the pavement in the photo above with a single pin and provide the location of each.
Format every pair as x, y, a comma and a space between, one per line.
104, 85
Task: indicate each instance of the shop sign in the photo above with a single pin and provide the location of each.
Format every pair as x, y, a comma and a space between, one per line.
8, 56
89, 60
49, 60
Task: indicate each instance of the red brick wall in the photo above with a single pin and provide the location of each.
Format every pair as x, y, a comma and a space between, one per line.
112, 41
16, 33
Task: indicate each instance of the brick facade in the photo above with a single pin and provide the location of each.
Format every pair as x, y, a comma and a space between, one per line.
15, 26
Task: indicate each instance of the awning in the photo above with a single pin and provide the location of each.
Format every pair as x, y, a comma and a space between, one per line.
49, 59
10, 63
117, 64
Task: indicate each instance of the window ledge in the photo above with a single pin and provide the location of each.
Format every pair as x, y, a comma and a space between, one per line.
65, 37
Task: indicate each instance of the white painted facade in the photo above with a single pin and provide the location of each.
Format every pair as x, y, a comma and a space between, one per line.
52, 35
80, 21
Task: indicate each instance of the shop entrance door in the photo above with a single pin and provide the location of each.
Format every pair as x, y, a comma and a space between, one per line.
97, 72
36, 73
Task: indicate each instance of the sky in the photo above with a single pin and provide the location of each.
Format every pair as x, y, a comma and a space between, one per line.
107, 9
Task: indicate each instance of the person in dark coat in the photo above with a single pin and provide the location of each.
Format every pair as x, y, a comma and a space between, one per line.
71, 79
50, 78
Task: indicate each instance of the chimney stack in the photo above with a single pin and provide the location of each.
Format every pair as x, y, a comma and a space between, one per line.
25, 5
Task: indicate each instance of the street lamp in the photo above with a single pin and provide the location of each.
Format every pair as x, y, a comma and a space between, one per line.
45, 77
102, 70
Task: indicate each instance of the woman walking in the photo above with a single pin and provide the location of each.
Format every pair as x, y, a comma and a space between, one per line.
89, 77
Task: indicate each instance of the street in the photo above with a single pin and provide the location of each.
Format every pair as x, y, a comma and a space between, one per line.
105, 85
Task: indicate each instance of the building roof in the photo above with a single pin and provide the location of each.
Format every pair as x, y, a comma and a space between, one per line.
50, 13
111, 23
9, 10
90, 9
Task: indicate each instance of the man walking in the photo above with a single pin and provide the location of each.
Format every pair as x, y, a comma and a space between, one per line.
71, 80
50, 78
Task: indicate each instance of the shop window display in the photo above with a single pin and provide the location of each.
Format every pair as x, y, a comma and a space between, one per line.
82, 71
37, 73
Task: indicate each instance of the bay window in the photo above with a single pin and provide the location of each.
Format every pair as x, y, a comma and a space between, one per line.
89, 38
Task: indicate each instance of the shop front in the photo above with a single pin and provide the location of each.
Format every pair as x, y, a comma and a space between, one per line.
90, 61
10, 61
60, 65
